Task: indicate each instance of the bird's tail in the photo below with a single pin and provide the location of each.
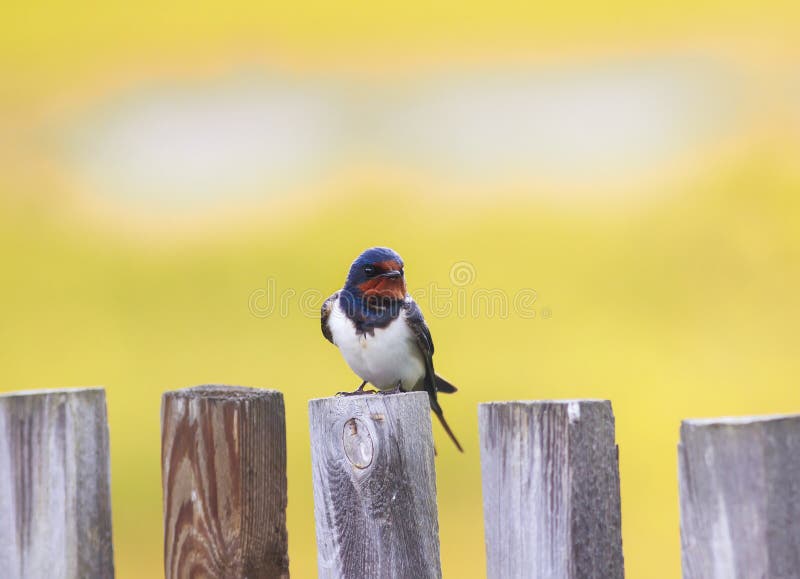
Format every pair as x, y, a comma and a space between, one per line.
437, 410
444, 386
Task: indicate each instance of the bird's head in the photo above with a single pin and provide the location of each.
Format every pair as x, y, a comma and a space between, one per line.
377, 274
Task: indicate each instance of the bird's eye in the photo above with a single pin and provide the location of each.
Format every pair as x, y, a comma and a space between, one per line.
369, 270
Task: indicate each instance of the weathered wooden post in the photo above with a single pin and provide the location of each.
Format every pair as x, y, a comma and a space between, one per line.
550, 490
55, 500
374, 487
223, 457
740, 497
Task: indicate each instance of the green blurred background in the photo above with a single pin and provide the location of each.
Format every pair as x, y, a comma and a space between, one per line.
170, 171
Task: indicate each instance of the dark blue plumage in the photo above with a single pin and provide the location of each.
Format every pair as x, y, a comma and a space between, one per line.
357, 274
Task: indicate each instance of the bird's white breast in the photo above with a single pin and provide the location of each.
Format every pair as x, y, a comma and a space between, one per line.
384, 358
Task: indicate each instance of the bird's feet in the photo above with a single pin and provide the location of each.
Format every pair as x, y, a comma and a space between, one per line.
395, 390
358, 391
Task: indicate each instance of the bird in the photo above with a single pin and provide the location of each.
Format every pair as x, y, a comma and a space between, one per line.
381, 332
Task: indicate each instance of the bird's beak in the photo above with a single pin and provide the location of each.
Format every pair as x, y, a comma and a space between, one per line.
392, 274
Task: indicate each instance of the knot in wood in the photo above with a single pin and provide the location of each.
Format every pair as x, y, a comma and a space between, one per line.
357, 443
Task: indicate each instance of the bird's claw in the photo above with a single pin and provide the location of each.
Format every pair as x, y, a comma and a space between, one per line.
395, 390
358, 392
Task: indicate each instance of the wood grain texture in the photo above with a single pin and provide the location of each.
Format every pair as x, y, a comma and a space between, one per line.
740, 498
223, 456
550, 490
55, 502
375, 487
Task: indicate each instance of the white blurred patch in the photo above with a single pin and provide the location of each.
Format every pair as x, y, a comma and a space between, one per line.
593, 129
177, 146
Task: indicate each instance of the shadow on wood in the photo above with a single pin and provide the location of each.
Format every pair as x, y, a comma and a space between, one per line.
55, 504
550, 490
374, 487
223, 453
740, 497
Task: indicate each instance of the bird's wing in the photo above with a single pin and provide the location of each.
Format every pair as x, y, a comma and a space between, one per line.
327, 308
423, 336
425, 343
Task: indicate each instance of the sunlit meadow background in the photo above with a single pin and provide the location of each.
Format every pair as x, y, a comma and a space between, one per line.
168, 169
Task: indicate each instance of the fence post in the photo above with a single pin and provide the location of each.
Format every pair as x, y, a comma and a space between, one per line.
55, 502
223, 458
550, 490
740, 497
374, 487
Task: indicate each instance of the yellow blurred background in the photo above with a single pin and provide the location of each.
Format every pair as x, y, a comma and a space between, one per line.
168, 171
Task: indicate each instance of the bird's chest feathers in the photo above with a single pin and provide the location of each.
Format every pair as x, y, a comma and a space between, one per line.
347, 336
382, 357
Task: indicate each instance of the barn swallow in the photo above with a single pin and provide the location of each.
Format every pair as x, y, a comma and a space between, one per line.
381, 333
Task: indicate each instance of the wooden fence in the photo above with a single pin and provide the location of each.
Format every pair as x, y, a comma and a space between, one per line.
550, 488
